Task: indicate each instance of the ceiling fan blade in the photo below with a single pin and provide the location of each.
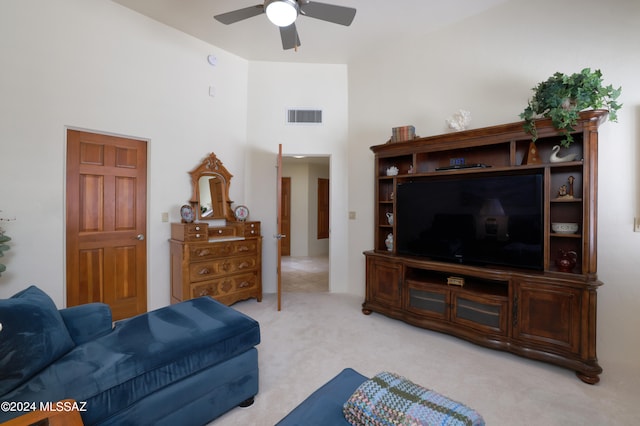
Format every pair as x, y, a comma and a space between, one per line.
289, 36
328, 12
240, 14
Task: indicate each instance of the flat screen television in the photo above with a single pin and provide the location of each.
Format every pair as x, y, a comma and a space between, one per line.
479, 219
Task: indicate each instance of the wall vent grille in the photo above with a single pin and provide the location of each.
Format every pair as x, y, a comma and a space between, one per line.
304, 116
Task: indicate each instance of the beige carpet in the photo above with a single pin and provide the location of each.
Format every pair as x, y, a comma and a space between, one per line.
316, 335
305, 274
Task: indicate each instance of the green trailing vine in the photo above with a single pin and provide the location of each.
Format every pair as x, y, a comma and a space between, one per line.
562, 97
3, 246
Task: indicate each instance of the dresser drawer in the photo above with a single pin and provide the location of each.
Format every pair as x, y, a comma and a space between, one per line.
229, 248
222, 231
200, 271
190, 231
251, 229
226, 285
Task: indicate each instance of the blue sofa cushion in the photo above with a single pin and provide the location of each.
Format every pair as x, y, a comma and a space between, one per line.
33, 336
88, 321
142, 355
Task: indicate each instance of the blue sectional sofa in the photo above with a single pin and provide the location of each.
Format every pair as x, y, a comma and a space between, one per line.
184, 364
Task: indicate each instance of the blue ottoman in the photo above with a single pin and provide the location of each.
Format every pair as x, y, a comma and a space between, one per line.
324, 406
351, 398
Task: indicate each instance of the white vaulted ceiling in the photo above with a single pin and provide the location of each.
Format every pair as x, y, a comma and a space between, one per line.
377, 22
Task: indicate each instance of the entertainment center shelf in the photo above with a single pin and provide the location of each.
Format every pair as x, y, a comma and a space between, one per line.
521, 276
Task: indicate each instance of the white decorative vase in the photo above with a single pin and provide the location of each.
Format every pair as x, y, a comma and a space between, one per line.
389, 242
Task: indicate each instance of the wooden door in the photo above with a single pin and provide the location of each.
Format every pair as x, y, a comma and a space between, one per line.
323, 208
286, 216
216, 189
279, 223
106, 222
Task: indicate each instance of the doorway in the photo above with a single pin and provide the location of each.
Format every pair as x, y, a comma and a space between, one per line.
306, 267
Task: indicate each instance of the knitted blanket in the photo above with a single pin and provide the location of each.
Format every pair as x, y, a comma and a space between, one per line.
388, 399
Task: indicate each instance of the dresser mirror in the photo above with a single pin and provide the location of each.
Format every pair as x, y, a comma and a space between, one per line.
210, 182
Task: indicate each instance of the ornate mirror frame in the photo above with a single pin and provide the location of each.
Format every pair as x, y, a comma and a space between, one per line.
212, 168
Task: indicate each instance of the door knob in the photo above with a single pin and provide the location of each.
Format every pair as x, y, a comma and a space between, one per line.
139, 237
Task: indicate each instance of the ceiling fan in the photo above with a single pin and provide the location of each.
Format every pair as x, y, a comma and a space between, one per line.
283, 13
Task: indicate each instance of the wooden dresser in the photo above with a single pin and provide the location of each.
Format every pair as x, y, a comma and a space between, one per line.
223, 262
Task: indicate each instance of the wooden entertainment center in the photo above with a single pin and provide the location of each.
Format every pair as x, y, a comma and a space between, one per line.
547, 315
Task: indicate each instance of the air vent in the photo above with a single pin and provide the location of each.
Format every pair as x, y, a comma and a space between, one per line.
304, 116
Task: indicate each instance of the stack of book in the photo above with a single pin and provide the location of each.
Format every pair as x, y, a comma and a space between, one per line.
404, 133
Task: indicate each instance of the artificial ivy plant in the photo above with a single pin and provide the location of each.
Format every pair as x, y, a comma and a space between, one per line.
562, 97
3, 247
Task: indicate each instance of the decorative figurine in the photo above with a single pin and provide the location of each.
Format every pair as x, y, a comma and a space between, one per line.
555, 158
562, 191
566, 191
571, 180
459, 120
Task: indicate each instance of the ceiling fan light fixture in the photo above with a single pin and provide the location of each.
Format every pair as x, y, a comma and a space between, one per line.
281, 12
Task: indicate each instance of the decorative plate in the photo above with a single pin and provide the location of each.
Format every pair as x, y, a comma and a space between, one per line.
187, 214
241, 213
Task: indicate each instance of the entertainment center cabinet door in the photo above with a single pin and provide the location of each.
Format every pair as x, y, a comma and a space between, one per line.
548, 315
428, 300
483, 313
384, 283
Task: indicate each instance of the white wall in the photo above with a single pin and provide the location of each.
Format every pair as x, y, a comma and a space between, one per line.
274, 87
488, 64
95, 65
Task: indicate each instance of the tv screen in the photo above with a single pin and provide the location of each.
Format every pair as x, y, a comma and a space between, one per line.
482, 219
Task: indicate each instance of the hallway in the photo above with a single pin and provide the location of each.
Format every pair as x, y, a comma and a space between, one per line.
305, 274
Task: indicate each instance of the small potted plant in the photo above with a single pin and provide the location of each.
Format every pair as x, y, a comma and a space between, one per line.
562, 97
